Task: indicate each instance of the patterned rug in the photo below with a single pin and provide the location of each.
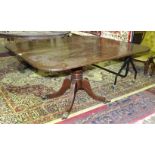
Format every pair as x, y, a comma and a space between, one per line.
20, 92
127, 110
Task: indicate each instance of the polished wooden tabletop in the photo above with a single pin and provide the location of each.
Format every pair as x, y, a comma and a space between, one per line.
69, 52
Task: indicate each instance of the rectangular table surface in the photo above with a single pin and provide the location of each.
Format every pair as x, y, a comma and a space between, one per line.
69, 52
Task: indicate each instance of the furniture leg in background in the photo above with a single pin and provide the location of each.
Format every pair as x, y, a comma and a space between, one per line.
125, 65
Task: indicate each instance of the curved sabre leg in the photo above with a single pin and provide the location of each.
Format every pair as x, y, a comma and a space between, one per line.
73, 91
65, 86
86, 86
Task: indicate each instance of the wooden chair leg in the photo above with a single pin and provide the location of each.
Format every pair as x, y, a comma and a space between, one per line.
152, 69
149, 66
146, 67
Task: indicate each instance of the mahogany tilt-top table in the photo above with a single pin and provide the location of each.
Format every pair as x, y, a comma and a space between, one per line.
72, 53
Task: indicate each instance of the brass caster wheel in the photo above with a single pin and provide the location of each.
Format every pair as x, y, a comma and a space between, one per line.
106, 101
44, 97
113, 87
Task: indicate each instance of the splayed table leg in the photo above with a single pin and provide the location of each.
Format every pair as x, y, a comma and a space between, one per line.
75, 83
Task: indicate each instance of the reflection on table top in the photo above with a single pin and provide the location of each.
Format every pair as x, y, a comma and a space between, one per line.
64, 53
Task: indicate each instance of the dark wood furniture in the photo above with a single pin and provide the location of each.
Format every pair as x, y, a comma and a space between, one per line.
72, 53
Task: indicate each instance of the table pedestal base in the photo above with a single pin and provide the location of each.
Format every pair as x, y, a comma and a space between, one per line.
75, 83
